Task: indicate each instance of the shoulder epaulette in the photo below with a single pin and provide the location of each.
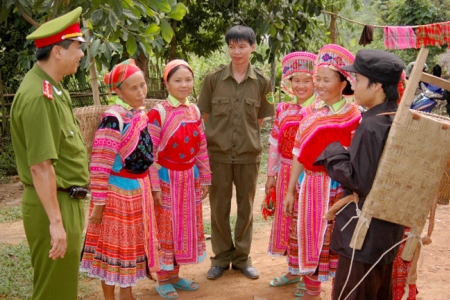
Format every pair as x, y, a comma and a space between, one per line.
47, 89
218, 69
259, 71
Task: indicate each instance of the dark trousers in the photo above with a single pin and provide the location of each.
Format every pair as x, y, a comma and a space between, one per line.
244, 177
376, 286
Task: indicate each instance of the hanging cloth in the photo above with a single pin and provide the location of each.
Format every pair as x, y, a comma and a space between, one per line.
445, 34
429, 35
399, 37
366, 35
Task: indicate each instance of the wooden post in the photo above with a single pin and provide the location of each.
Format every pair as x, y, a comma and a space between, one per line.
92, 71
3, 105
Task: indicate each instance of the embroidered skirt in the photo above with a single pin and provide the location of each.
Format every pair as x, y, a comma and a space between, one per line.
280, 227
179, 219
115, 250
317, 192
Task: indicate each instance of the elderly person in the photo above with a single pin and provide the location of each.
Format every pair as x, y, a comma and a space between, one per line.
182, 179
121, 235
333, 119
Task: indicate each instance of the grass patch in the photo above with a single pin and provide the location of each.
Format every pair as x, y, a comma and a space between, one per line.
17, 274
10, 213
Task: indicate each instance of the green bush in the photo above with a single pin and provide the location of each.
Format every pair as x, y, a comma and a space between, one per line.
7, 158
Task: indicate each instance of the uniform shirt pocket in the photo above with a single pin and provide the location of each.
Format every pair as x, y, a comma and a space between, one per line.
71, 141
252, 107
220, 106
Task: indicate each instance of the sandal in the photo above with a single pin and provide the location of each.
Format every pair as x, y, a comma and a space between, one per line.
282, 280
301, 288
163, 290
185, 285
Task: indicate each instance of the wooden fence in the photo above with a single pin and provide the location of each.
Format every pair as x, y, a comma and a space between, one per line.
81, 96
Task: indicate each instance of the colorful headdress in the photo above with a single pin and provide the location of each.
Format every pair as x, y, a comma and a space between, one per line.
173, 64
294, 63
334, 57
119, 73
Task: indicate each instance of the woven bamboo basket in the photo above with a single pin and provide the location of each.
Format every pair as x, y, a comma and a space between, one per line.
89, 118
444, 187
410, 170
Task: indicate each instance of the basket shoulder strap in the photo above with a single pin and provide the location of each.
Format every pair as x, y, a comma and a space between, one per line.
390, 113
162, 113
118, 116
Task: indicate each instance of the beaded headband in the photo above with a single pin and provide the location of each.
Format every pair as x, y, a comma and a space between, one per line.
295, 63
334, 57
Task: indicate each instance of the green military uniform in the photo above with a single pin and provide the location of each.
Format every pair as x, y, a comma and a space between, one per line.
43, 127
234, 148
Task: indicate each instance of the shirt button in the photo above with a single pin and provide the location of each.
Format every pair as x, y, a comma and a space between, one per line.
71, 132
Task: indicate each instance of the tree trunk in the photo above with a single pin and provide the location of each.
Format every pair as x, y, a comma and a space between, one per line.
92, 71
3, 105
173, 42
273, 65
142, 63
333, 29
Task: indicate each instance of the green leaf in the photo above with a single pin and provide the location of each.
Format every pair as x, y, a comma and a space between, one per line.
130, 3
117, 7
106, 51
125, 35
131, 14
178, 12
166, 31
162, 5
97, 16
94, 47
131, 45
272, 30
112, 20
116, 47
152, 29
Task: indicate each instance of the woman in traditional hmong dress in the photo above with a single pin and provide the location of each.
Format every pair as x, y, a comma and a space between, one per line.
121, 242
184, 175
297, 82
333, 119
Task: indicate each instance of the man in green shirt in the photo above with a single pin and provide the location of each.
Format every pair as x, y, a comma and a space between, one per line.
52, 159
234, 100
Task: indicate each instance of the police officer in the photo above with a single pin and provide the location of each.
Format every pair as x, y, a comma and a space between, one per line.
51, 159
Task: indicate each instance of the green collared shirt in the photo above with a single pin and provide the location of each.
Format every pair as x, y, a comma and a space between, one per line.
306, 103
232, 129
336, 107
175, 103
46, 129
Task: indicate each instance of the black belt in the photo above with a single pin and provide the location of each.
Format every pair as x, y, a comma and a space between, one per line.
76, 192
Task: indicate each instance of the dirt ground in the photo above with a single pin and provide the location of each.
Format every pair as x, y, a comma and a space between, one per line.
434, 266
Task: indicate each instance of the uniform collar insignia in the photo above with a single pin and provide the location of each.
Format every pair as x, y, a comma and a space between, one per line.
47, 89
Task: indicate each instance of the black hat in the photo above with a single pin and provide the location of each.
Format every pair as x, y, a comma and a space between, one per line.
377, 65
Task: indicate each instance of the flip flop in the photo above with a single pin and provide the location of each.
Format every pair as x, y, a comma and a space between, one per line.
301, 289
282, 280
185, 285
163, 290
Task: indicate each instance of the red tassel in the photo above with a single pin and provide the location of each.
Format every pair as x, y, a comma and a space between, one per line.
268, 205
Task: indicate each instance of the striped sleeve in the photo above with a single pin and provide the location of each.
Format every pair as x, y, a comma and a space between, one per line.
104, 151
